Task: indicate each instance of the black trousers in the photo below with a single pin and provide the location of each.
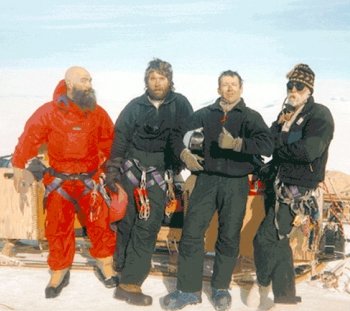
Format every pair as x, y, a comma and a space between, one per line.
136, 238
228, 196
273, 256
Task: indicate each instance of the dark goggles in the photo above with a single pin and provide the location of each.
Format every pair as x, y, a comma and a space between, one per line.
298, 85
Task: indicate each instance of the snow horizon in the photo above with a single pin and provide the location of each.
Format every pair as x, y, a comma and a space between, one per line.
24, 90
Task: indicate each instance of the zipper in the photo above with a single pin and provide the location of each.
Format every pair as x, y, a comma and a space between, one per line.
311, 169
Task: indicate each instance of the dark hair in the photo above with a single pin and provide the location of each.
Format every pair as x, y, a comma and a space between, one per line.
162, 67
230, 73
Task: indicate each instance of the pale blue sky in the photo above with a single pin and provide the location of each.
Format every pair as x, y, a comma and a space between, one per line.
262, 39
115, 40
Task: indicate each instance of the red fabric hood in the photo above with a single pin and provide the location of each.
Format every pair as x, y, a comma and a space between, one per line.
60, 91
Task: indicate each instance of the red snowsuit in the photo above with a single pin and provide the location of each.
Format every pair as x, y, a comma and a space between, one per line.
76, 141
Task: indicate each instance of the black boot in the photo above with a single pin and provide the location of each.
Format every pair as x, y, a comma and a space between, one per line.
111, 282
132, 294
105, 272
52, 292
221, 299
290, 300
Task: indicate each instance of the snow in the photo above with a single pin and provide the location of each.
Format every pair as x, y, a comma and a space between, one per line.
22, 289
113, 93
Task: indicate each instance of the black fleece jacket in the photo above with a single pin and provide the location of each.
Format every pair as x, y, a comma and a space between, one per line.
301, 154
143, 127
242, 122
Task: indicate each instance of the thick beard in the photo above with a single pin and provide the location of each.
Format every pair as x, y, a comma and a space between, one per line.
298, 100
156, 97
86, 100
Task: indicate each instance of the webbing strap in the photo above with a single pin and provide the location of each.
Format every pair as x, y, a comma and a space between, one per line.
55, 185
156, 176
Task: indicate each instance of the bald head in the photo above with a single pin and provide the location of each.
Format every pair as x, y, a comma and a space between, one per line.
77, 77
79, 88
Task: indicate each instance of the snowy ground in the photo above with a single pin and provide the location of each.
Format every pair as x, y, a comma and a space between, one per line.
22, 289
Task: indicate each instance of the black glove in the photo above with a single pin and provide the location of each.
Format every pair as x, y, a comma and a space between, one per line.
268, 172
37, 168
113, 173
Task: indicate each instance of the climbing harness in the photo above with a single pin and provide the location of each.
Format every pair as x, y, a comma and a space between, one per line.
90, 186
304, 207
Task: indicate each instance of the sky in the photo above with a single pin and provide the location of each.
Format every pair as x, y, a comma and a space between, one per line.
115, 40
259, 38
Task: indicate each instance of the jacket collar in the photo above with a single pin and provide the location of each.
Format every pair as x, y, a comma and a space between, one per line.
308, 106
168, 99
216, 105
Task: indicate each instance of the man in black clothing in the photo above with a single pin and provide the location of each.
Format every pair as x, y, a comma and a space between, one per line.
148, 141
302, 132
233, 135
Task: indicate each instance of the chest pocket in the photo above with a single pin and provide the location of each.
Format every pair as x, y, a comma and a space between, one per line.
74, 141
294, 136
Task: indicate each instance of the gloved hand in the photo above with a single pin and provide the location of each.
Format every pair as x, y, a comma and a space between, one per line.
191, 160
113, 173
18, 178
227, 141
37, 168
22, 180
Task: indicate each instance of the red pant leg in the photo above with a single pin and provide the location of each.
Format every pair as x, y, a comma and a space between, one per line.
59, 231
102, 238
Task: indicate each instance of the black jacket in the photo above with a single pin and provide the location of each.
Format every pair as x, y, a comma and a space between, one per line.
301, 154
143, 127
242, 122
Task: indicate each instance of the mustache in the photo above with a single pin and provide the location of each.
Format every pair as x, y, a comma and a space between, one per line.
86, 100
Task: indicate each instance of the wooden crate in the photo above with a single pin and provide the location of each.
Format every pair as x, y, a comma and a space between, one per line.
21, 216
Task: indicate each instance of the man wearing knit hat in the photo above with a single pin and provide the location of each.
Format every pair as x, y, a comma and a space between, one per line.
302, 132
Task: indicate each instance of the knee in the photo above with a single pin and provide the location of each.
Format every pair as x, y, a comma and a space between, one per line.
229, 248
189, 245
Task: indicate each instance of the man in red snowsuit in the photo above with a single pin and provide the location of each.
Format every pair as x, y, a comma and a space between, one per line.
78, 133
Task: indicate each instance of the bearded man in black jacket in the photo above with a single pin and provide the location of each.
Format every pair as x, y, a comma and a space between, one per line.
147, 143
302, 133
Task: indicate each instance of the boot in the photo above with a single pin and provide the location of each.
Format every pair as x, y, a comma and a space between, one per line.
132, 294
290, 300
265, 302
59, 279
105, 272
221, 299
258, 297
178, 299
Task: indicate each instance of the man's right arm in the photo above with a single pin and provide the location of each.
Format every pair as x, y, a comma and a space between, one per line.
34, 135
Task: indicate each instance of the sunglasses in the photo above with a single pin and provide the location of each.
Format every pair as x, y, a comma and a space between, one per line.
298, 85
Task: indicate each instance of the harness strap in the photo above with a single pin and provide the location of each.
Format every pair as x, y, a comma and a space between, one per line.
68, 176
156, 176
56, 184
